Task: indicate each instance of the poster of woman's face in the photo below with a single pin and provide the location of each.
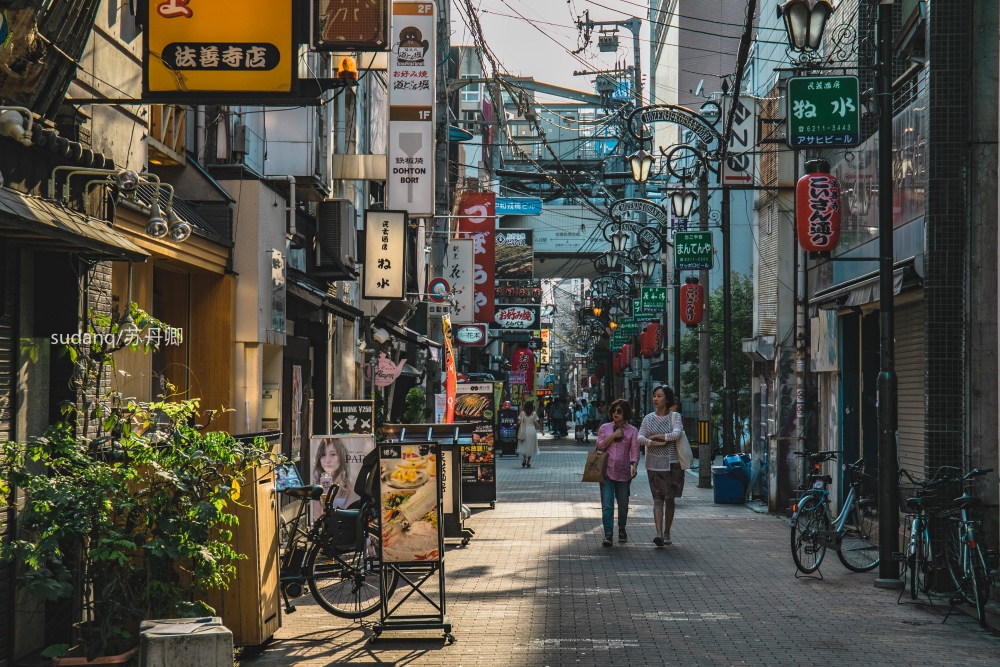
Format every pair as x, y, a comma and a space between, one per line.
335, 460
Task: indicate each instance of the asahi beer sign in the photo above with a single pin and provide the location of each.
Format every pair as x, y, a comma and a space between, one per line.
516, 317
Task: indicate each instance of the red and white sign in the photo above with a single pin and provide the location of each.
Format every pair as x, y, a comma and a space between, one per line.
471, 335
517, 317
817, 210
478, 221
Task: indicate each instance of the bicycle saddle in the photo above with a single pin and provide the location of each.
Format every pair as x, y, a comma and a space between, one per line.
915, 503
311, 492
824, 478
967, 502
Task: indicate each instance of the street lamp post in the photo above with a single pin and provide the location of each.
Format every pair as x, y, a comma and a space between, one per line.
804, 23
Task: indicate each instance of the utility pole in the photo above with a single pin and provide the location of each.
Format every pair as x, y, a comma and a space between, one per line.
437, 227
704, 351
728, 443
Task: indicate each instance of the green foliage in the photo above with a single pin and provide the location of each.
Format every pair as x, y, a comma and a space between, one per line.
742, 320
133, 522
416, 406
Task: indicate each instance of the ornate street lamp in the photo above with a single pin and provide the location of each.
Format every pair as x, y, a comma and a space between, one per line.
612, 325
640, 163
647, 265
597, 311
619, 240
611, 259
804, 22
682, 202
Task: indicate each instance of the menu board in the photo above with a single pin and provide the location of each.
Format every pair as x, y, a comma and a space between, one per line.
410, 497
475, 403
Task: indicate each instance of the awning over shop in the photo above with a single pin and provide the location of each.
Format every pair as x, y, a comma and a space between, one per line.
302, 288
865, 289
33, 221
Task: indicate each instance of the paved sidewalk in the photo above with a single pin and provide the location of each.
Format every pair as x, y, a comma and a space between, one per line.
535, 587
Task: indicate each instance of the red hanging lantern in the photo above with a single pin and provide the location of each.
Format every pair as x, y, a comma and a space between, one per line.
628, 353
601, 371
594, 380
817, 208
645, 347
692, 302
654, 333
618, 364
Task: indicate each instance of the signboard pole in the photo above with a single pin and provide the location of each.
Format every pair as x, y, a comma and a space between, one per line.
704, 350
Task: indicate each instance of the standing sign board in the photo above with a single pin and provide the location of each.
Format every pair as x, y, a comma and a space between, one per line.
412, 69
823, 111
352, 417
740, 166
336, 460
194, 48
474, 403
410, 496
693, 250
385, 255
458, 263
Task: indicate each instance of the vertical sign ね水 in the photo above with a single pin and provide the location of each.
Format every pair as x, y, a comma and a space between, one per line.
412, 67
385, 254
477, 219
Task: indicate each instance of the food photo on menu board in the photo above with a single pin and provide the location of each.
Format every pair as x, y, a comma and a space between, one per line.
409, 491
336, 460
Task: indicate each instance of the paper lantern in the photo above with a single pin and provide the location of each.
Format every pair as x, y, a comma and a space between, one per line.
628, 354
654, 333
601, 371
692, 302
618, 364
645, 347
817, 208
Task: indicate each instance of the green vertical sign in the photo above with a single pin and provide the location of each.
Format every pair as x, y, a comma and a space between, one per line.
693, 250
653, 299
823, 111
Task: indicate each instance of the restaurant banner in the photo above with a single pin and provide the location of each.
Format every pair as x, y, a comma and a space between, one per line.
475, 403
477, 220
522, 376
458, 271
385, 255
515, 256
336, 460
410, 496
451, 372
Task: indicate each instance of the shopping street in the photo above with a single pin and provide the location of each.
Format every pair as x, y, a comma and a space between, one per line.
535, 587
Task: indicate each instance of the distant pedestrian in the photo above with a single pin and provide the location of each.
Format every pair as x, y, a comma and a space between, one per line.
528, 427
659, 433
620, 440
588, 419
558, 427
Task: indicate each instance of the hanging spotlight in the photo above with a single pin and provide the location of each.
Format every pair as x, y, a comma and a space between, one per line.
156, 227
179, 229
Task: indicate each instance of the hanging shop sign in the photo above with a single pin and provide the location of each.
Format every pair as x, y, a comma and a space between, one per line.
544, 352
360, 25
692, 302
516, 317
740, 165
522, 376
458, 270
411, 502
385, 254
352, 417
450, 371
519, 206
193, 47
386, 370
477, 219
817, 208
653, 299
412, 69
627, 326
823, 111
515, 257
693, 250
471, 335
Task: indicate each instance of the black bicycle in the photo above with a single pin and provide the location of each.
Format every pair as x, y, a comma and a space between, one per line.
338, 556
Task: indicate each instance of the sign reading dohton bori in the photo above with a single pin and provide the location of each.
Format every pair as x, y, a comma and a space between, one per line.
385, 254
412, 68
193, 47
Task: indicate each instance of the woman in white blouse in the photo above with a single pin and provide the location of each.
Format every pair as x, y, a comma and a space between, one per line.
659, 433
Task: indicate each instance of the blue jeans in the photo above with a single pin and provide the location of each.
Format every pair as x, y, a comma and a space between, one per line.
610, 491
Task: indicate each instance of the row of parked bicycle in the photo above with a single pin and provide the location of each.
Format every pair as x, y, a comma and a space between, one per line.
943, 505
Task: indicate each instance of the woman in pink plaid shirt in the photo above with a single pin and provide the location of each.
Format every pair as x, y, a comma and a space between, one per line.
620, 440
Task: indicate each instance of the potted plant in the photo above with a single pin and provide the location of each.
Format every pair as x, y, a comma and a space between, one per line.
125, 504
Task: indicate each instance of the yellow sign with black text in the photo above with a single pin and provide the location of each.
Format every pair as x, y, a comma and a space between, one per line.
194, 47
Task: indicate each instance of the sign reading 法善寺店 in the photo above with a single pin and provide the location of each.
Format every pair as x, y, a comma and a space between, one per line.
823, 111
194, 47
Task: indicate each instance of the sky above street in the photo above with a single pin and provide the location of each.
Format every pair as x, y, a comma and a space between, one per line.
535, 37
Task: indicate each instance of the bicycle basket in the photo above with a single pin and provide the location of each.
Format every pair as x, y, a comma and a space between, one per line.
937, 499
339, 532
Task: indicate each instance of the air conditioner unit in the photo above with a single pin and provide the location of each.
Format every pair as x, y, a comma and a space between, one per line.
337, 231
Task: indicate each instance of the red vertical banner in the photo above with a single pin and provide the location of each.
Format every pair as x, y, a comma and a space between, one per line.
477, 219
522, 373
451, 373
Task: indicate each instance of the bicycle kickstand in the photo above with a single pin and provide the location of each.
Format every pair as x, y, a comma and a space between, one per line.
289, 607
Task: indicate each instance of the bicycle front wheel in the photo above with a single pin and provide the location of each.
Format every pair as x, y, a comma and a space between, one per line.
807, 552
859, 548
347, 585
981, 579
956, 556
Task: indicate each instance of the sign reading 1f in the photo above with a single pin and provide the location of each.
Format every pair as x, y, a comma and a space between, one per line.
823, 111
693, 250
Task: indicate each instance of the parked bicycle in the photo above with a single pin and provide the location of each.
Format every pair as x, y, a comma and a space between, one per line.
964, 553
854, 532
337, 556
921, 500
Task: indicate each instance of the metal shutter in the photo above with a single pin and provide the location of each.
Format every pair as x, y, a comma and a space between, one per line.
909, 328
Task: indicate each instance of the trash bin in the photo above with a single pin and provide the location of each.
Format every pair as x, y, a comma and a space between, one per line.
728, 489
739, 467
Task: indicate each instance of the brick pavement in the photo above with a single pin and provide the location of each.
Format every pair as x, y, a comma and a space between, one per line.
535, 587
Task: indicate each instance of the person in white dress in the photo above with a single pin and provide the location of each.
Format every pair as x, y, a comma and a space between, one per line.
527, 433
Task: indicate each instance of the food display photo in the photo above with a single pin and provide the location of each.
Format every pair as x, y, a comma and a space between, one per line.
410, 507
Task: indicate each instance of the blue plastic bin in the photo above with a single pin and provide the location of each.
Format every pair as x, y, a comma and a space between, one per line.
728, 489
739, 467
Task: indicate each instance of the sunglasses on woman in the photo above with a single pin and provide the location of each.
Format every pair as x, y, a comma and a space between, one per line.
617, 411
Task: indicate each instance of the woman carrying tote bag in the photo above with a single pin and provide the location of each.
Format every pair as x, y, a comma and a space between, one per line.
527, 433
618, 439
659, 433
